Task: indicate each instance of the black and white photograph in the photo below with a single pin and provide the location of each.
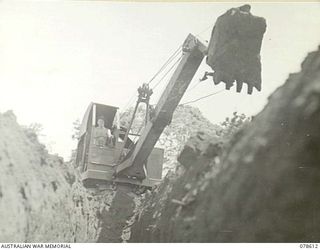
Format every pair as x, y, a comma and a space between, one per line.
159, 122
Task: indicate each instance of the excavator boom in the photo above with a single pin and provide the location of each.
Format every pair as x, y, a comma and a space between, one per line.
193, 54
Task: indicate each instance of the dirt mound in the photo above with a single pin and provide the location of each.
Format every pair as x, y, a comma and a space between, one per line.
40, 197
186, 121
261, 189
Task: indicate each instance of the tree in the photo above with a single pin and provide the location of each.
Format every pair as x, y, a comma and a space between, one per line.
76, 129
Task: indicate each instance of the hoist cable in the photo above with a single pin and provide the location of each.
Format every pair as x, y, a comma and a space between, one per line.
194, 86
138, 132
203, 97
170, 59
175, 63
166, 64
204, 30
127, 105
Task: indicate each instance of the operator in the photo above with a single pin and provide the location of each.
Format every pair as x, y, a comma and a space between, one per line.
101, 135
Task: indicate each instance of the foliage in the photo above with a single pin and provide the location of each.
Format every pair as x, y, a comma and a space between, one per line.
33, 131
186, 122
76, 129
232, 125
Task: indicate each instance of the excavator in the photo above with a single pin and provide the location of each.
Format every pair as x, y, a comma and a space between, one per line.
123, 161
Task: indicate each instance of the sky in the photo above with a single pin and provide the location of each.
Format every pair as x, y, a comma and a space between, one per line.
57, 57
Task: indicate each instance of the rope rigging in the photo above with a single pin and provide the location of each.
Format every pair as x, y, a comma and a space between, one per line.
169, 60
142, 125
163, 67
175, 63
194, 86
203, 97
128, 103
175, 55
166, 63
204, 30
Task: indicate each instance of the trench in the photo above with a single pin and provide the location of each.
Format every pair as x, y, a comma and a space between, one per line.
259, 187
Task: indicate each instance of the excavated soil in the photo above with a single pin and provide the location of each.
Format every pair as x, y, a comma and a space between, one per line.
259, 187
262, 188
42, 199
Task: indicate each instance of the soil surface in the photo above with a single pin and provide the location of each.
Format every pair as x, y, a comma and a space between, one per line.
259, 186
262, 188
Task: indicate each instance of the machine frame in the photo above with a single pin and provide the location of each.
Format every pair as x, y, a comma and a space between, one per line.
97, 164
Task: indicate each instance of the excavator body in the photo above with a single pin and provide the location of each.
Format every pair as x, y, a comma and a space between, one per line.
233, 51
98, 163
124, 161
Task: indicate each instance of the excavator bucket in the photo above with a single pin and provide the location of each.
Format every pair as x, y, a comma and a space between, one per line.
234, 49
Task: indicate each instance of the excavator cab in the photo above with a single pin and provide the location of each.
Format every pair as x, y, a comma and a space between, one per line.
97, 163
